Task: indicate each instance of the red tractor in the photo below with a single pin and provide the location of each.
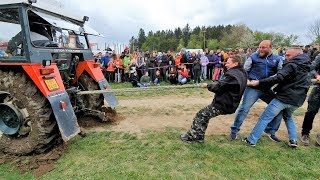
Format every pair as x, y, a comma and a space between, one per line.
45, 60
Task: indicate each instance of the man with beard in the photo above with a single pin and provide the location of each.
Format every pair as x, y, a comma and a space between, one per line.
293, 82
259, 65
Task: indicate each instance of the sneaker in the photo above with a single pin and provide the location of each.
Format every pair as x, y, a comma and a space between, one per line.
186, 138
293, 143
233, 136
305, 139
248, 142
318, 139
273, 137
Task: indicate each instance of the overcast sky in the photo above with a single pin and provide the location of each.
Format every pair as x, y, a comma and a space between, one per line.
119, 20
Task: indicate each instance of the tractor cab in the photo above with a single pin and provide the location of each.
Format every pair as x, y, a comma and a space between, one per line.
31, 33
45, 61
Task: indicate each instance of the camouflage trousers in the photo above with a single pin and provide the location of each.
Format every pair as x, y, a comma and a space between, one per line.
201, 121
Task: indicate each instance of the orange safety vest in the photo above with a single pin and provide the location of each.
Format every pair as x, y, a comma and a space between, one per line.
110, 66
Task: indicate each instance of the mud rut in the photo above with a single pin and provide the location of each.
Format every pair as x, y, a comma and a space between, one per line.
156, 114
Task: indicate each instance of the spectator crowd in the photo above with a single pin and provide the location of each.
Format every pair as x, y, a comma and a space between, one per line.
179, 68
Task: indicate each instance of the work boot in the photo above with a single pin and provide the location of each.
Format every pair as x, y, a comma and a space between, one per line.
305, 139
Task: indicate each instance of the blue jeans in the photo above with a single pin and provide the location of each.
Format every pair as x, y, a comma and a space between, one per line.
251, 96
274, 108
182, 79
156, 82
143, 85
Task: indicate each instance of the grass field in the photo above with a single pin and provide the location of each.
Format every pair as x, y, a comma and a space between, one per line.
161, 154
111, 155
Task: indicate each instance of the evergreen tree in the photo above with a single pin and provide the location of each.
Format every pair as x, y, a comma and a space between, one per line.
186, 35
141, 38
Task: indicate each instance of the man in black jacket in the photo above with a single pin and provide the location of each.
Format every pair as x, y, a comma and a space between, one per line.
228, 93
293, 83
313, 106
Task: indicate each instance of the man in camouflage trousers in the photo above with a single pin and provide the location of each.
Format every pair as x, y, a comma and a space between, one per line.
228, 93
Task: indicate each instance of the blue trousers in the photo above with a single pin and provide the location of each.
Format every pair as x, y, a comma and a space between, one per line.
274, 108
251, 96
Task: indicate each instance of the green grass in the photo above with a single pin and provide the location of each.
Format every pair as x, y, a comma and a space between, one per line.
10, 173
161, 155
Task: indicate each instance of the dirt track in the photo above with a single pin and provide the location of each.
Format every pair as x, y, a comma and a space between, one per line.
156, 114
159, 113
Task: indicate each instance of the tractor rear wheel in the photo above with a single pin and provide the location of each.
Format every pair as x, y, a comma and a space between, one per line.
91, 101
38, 128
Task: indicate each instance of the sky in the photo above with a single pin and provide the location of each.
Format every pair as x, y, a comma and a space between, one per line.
119, 20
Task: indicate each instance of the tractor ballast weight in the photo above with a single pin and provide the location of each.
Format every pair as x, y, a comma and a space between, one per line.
45, 60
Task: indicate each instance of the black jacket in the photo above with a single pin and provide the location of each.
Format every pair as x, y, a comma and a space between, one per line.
315, 68
196, 65
184, 59
229, 90
293, 80
165, 60
152, 61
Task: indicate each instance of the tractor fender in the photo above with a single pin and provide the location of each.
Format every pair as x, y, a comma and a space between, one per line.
65, 117
64, 114
33, 71
109, 97
89, 67
96, 74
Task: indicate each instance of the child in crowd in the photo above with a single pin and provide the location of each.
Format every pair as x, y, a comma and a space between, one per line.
196, 71
134, 79
157, 79
173, 76
110, 71
119, 67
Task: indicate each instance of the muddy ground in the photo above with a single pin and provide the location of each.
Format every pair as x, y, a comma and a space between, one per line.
155, 114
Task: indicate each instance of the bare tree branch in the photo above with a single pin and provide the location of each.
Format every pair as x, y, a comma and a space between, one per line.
314, 31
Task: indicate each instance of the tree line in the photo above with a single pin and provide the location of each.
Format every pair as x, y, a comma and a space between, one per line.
212, 37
